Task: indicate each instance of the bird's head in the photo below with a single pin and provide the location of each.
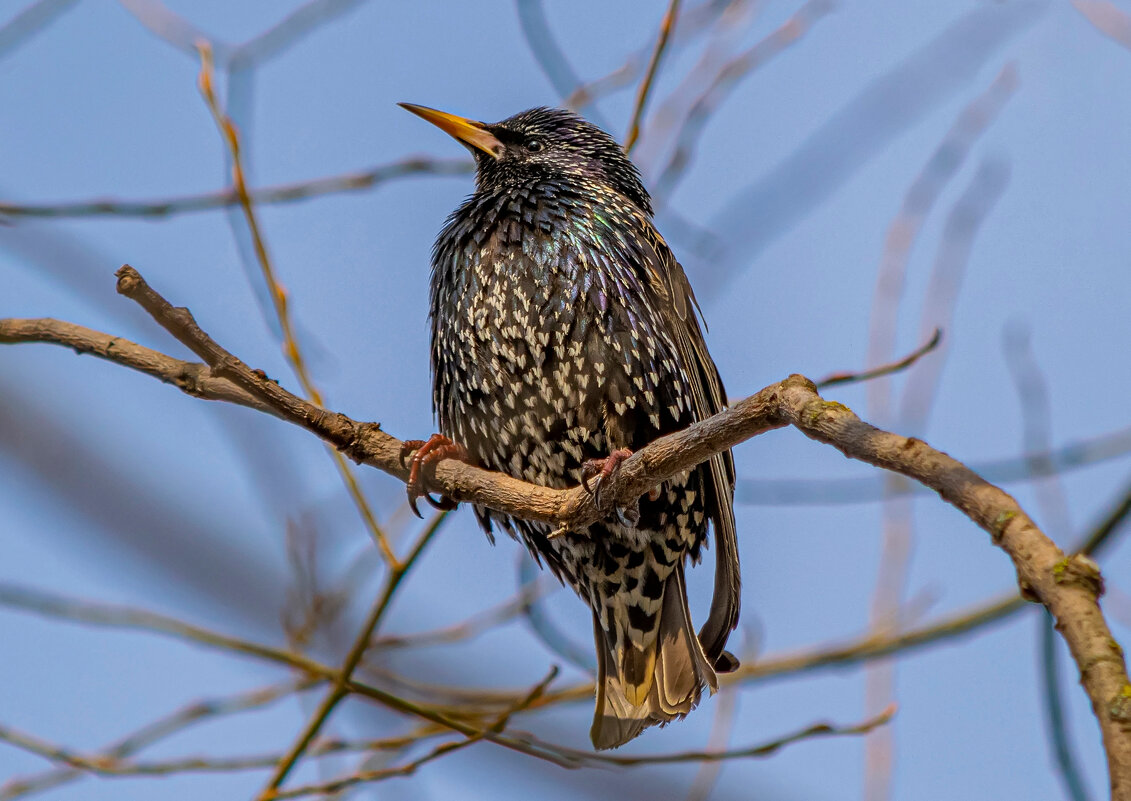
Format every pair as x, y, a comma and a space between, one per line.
543, 143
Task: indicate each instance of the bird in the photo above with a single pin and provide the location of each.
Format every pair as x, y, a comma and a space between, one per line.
565, 336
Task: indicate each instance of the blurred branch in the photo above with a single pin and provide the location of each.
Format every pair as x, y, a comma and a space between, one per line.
29, 21
283, 34
855, 134
721, 728
726, 80
1054, 713
921, 388
280, 193
693, 21
1036, 413
183, 35
173, 29
1074, 455
1107, 18
666, 26
58, 607
114, 767
920, 198
279, 299
544, 47
963, 223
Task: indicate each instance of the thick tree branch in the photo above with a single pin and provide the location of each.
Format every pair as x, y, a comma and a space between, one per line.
1068, 587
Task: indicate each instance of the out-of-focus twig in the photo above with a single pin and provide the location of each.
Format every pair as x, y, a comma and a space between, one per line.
1069, 770
666, 25
1107, 18
920, 198
279, 299
60, 608
281, 193
1036, 415
833, 491
548, 54
854, 135
29, 21
725, 81
693, 22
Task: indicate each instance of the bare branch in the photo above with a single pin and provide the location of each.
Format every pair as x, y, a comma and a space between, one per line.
1068, 587
192, 378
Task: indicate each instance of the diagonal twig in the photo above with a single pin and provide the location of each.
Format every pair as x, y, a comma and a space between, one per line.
666, 25
361, 643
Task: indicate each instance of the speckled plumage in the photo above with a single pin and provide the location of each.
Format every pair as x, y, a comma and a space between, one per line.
562, 330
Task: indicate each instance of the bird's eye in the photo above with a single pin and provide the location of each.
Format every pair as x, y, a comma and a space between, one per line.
534, 145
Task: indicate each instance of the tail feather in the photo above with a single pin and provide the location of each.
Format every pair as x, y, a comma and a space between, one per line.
630, 698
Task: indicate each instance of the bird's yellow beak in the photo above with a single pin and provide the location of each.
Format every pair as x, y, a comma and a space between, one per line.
471, 133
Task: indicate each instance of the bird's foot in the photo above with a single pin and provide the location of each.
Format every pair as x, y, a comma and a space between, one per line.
427, 453
597, 471
601, 469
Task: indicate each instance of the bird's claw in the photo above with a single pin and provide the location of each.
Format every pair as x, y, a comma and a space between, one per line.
601, 469
424, 453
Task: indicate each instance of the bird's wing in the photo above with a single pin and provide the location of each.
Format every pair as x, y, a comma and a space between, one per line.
709, 397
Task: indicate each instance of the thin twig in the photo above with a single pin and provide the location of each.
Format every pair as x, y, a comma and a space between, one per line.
884, 369
472, 626
765, 749
729, 76
337, 785
116, 753
361, 643
666, 25
412, 166
279, 300
57, 607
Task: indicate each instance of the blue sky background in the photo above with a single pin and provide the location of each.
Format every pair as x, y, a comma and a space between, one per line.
121, 489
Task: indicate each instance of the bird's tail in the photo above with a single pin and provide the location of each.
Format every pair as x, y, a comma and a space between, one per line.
638, 688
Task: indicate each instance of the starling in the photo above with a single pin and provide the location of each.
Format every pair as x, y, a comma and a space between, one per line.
565, 336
